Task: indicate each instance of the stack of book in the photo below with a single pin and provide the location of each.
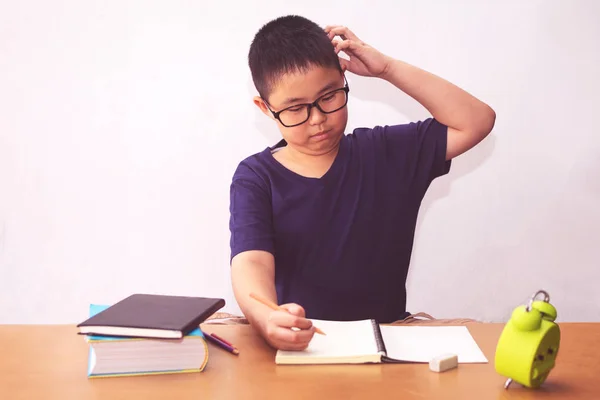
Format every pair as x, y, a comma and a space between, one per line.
148, 334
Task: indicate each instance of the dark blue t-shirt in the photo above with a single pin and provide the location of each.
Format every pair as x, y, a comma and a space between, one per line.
342, 243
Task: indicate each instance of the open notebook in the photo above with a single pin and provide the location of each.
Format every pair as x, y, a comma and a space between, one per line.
360, 342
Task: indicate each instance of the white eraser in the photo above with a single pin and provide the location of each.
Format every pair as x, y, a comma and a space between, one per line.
443, 363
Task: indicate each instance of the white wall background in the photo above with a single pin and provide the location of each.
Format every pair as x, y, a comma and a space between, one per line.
121, 124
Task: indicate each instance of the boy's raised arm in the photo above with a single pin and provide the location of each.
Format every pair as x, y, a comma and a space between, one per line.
468, 119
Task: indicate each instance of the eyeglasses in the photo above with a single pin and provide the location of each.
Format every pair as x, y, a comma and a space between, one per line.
328, 103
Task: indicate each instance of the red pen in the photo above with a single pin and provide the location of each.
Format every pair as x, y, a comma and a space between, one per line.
222, 344
221, 339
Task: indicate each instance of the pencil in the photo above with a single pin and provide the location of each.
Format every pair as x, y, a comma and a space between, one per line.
274, 306
221, 344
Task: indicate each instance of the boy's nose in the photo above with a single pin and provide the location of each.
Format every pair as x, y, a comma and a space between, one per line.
316, 117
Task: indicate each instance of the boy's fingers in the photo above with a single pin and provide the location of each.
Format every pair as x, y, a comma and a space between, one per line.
286, 320
344, 45
341, 31
344, 64
295, 338
291, 346
294, 309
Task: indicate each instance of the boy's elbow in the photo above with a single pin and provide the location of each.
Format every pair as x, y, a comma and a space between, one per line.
487, 120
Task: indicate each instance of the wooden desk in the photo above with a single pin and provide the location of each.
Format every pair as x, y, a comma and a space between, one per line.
49, 362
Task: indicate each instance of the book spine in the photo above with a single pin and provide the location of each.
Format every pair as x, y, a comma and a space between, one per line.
201, 318
378, 337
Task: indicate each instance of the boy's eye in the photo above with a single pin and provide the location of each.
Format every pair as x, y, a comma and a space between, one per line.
328, 98
295, 109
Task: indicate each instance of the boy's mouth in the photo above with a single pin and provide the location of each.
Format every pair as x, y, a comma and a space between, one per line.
320, 135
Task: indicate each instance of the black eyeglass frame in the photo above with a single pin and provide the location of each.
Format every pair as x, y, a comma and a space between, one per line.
315, 104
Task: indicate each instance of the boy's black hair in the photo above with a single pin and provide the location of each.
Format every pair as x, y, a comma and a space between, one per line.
285, 45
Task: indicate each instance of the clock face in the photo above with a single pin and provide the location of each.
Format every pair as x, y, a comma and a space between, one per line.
545, 355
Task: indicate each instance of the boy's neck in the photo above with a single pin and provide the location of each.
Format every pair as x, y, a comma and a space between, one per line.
307, 165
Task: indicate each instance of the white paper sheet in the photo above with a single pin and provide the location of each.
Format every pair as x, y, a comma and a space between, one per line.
422, 343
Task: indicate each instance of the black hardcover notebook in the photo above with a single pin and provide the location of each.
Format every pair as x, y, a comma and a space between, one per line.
152, 316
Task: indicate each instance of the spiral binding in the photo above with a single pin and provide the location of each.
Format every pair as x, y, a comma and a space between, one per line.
378, 337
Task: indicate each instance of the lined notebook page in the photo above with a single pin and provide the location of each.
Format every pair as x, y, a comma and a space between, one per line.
343, 340
422, 343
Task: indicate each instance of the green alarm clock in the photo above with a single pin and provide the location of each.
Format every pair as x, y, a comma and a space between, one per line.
528, 346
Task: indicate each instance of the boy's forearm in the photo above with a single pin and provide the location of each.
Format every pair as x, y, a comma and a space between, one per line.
252, 277
449, 104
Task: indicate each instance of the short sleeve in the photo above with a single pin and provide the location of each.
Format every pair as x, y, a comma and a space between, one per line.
417, 150
250, 221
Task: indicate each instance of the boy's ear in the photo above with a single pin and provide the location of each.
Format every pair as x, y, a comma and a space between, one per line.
260, 103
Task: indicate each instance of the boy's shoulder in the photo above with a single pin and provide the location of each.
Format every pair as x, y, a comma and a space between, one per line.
256, 167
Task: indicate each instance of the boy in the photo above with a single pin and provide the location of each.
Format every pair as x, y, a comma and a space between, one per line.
323, 222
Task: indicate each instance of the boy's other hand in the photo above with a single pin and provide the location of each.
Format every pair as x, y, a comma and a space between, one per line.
289, 330
364, 59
